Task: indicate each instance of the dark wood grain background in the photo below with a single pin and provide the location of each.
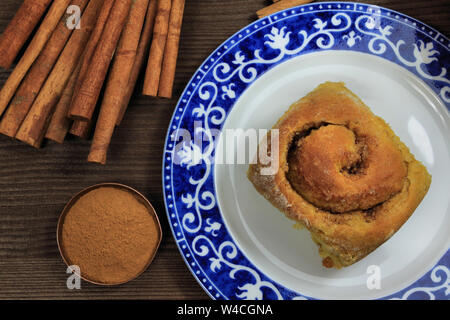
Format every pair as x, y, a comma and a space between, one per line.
36, 184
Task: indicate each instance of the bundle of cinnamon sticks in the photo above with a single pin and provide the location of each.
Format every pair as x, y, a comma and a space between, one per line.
81, 48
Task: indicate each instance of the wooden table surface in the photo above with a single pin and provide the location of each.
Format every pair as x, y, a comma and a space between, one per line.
36, 184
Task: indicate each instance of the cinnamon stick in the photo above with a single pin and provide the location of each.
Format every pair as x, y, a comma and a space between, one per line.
34, 48
280, 5
86, 98
155, 57
33, 81
171, 50
60, 123
34, 126
144, 44
80, 128
92, 45
19, 29
117, 81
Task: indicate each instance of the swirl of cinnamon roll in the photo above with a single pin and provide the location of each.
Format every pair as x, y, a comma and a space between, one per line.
339, 170
343, 174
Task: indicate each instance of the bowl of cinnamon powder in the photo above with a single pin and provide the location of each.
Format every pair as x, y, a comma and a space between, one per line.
108, 232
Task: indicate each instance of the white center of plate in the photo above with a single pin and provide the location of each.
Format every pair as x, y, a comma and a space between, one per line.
289, 256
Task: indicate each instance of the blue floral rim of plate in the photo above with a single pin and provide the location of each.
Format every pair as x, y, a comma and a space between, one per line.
208, 249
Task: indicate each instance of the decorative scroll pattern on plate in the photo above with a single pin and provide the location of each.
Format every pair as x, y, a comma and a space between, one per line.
222, 269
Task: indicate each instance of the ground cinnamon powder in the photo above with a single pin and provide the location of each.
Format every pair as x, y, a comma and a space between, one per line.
110, 234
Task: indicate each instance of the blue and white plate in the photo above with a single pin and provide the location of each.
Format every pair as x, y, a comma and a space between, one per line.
236, 244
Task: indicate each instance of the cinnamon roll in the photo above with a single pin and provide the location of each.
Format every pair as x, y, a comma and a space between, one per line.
343, 174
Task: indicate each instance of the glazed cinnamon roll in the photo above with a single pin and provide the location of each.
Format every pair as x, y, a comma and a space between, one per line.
343, 174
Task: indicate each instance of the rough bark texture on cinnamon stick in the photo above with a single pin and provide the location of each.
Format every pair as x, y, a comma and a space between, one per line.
144, 44
35, 124
92, 45
33, 81
280, 5
80, 129
35, 47
126, 54
117, 81
171, 51
155, 58
83, 104
19, 29
60, 123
